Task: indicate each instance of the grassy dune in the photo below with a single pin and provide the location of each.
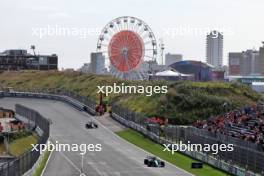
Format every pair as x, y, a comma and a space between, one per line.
184, 103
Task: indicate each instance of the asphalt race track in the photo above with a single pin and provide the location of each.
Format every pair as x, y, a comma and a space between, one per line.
117, 158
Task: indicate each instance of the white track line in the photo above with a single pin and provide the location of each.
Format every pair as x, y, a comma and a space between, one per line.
129, 142
71, 162
46, 163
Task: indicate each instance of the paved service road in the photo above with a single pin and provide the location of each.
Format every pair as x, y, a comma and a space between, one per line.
117, 158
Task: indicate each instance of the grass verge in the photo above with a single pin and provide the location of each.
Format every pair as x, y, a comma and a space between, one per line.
2, 149
21, 145
178, 159
42, 164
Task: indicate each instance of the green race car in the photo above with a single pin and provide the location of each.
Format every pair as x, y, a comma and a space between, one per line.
152, 161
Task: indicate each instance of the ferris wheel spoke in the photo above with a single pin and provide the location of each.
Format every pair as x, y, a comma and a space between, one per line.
120, 27
112, 31
124, 25
132, 25
113, 55
135, 27
121, 64
127, 24
117, 63
138, 55
141, 31
134, 48
115, 48
117, 26
148, 42
139, 26
133, 44
134, 57
116, 29
116, 42
146, 36
124, 43
127, 64
127, 40
108, 32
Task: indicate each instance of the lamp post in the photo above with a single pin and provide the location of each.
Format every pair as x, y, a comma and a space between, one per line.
82, 174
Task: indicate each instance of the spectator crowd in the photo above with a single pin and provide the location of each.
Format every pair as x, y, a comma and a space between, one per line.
246, 124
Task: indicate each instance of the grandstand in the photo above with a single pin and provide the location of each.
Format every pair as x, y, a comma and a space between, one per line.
246, 124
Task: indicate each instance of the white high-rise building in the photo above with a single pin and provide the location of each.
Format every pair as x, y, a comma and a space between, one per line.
214, 49
97, 64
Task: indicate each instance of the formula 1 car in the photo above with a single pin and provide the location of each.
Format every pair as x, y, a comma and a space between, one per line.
91, 125
152, 161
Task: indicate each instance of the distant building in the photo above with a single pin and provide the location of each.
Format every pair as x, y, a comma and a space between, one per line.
244, 63
214, 49
201, 71
234, 63
85, 68
218, 75
97, 64
261, 59
151, 67
21, 60
172, 58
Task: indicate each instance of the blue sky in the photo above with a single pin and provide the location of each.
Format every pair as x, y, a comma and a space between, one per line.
242, 20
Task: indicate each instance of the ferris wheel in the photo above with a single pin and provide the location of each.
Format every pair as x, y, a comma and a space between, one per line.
126, 42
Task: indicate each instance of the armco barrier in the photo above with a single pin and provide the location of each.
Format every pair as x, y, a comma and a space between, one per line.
77, 101
135, 121
24, 163
129, 119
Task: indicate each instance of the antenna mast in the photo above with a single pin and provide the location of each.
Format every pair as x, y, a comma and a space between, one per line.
162, 47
